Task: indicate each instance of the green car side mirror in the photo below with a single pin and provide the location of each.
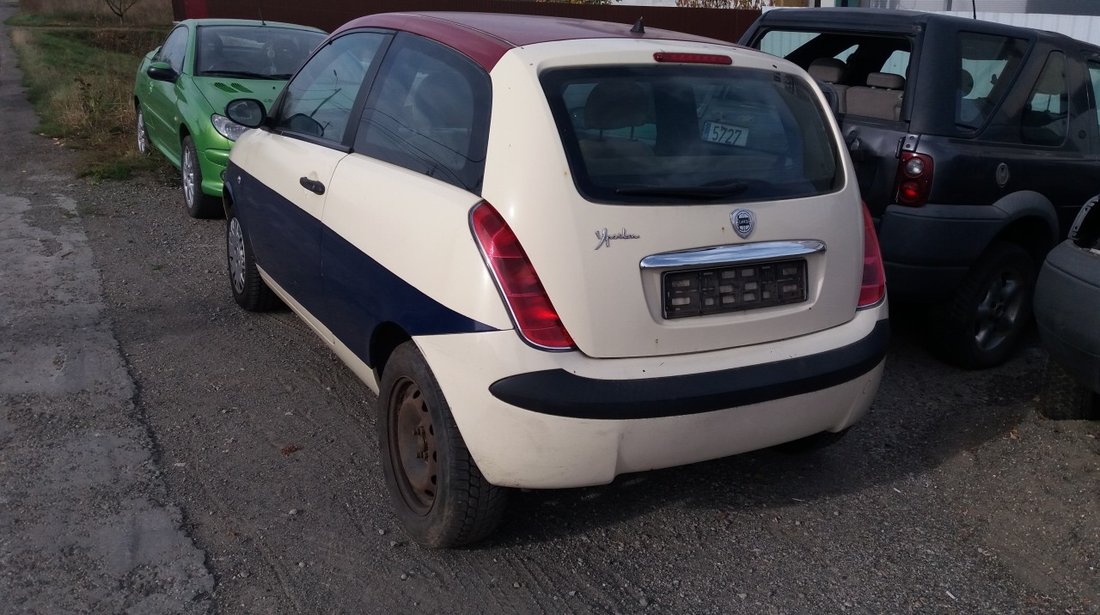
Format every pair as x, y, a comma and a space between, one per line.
162, 71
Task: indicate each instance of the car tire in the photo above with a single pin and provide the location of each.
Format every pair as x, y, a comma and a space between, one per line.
440, 495
143, 146
1063, 398
198, 205
982, 324
249, 290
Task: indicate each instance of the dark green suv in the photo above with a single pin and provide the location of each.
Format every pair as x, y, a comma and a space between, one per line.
974, 143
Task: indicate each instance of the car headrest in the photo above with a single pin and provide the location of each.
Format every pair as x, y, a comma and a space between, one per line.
829, 70
966, 82
616, 104
889, 81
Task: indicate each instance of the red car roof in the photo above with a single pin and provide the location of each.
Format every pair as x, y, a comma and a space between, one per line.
485, 37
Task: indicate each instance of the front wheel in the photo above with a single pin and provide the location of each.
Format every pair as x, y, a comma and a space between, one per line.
199, 205
249, 290
441, 497
982, 324
1063, 398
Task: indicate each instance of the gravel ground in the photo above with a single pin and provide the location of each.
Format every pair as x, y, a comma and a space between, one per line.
953, 495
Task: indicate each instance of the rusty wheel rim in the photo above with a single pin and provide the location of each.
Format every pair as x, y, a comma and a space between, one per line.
413, 446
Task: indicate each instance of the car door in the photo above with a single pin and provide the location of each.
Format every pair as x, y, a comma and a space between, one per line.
295, 161
160, 98
415, 172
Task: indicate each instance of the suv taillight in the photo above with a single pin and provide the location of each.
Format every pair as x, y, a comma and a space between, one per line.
873, 289
534, 315
914, 179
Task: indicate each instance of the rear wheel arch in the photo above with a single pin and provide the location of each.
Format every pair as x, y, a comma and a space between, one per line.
387, 336
1031, 222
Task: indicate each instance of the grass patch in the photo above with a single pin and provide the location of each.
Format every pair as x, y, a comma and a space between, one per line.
80, 80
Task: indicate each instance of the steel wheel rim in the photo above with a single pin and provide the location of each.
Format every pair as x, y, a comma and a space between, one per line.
413, 447
142, 138
236, 255
999, 311
188, 176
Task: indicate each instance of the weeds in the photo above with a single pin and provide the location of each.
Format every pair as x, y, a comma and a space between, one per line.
80, 81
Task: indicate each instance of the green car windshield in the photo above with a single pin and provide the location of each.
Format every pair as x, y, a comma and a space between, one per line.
252, 52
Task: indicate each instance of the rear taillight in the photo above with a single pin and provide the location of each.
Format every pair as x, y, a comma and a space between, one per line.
534, 315
914, 179
873, 288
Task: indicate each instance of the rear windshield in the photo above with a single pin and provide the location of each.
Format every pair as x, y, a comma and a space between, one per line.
676, 134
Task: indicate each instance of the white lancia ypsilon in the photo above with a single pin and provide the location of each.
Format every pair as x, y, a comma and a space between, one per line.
560, 250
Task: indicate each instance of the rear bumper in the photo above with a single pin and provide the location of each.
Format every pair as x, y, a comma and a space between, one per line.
566, 394
548, 420
1067, 310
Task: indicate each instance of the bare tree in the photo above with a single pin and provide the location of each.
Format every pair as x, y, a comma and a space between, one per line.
119, 7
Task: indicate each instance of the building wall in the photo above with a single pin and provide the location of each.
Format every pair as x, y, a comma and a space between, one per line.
1050, 7
722, 24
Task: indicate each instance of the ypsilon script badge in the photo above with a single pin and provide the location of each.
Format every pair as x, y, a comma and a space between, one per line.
743, 221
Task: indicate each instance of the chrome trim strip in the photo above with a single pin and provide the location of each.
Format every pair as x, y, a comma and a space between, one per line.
733, 255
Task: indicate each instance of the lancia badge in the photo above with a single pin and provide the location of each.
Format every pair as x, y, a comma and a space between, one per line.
743, 221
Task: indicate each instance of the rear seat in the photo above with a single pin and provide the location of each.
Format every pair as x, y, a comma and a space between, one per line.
831, 71
881, 98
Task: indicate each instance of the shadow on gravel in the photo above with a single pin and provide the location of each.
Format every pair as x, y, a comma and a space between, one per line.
947, 411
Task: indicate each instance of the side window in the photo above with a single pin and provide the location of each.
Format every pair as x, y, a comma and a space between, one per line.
318, 102
174, 49
429, 114
987, 63
1094, 91
1044, 119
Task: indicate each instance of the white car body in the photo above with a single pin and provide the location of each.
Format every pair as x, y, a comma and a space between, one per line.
637, 390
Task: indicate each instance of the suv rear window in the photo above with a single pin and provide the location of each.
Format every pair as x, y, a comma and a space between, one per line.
691, 134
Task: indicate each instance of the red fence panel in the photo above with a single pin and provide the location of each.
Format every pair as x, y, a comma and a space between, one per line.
723, 24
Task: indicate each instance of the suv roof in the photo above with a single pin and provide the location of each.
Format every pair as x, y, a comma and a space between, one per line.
891, 20
485, 37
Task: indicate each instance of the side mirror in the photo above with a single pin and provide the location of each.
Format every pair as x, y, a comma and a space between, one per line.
162, 71
246, 112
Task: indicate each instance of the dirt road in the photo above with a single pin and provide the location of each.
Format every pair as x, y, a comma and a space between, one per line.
85, 523
952, 496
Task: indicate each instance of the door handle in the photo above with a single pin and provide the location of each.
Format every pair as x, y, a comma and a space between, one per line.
312, 185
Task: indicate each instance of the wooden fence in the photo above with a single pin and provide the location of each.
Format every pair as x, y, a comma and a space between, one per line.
723, 24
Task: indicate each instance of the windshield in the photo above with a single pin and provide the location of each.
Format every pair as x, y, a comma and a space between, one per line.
252, 52
678, 134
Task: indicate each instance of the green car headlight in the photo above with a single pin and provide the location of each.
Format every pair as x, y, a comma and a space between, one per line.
226, 127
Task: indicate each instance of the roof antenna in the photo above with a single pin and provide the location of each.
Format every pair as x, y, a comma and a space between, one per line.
639, 27
260, 10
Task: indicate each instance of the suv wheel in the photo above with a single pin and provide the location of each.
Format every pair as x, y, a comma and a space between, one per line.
1063, 398
981, 325
440, 495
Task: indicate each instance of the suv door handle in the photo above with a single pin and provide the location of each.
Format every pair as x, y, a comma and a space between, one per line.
312, 185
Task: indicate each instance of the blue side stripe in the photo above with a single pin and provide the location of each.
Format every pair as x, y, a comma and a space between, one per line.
356, 293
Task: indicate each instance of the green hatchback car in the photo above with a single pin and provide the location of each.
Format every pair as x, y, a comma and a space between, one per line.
182, 87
